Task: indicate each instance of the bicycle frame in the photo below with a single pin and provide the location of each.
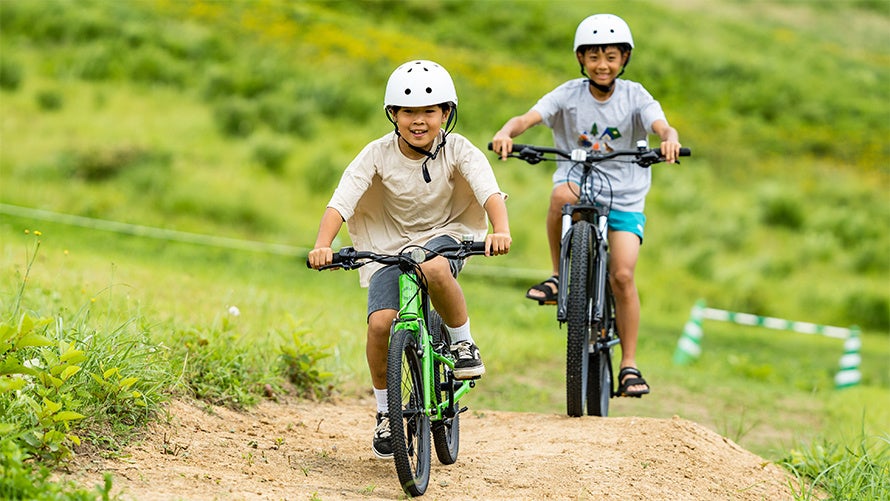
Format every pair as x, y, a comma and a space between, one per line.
413, 312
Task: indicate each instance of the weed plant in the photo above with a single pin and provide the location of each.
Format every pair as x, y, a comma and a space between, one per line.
68, 384
852, 473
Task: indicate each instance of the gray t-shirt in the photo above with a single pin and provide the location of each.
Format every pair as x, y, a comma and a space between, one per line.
578, 120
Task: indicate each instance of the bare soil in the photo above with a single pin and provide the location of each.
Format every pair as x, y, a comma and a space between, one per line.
322, 451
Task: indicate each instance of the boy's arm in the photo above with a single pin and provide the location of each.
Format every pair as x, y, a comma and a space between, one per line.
498, 241
331, 221
670, 140
502, 142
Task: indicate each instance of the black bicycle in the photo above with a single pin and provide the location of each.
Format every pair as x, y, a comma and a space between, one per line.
585, 300
422, 392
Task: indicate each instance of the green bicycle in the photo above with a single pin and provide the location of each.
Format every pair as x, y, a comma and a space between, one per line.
423, 393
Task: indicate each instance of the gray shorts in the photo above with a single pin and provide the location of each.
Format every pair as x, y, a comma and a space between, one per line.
383, 291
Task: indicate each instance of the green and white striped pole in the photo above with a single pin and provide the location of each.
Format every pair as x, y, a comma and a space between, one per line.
689, 344
848, 374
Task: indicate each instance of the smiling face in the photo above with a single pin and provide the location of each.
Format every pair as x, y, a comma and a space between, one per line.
419, 126
603, 64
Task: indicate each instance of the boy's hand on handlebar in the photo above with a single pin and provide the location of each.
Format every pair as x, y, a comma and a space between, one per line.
497, 244
320, 256
670, 150
502, 144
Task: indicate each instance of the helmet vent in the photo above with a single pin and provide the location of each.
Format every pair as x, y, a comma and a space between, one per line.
407, 91
429, 90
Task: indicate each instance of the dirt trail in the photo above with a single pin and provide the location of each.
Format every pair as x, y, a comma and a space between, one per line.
321, 451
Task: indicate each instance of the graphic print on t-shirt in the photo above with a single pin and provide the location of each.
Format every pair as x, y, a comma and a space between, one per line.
593, 140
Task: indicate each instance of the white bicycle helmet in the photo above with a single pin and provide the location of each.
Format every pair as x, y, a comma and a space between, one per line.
419, 83
603, 29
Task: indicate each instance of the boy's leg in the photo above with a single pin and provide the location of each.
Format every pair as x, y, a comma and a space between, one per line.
624, 252
445, 293
448, 299
377, 347
383, 304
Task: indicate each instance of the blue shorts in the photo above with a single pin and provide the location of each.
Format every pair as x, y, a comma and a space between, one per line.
383, 290
634, 222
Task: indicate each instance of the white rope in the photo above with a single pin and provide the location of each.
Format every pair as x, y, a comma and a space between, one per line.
222, 242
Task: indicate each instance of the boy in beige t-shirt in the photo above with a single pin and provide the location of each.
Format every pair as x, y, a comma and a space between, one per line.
419, 185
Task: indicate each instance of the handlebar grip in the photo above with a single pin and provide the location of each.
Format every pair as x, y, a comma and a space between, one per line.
478, 247
339, 257
516, 147
685, 152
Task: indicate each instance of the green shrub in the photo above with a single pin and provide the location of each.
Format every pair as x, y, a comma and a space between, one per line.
868, 310
289, 115
107, 163
49, 100
842, 473
218, 367
781, 209
51, 396
236, 117
11, 74
299, 363
154, 66
271, 155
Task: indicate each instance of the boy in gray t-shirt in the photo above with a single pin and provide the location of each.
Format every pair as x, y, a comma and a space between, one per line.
605, 112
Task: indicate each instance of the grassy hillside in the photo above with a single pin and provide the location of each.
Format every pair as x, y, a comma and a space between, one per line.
234, 120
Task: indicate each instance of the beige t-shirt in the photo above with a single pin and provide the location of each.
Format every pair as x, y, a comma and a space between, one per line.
387, 205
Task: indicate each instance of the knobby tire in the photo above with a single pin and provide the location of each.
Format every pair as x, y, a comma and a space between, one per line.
599, 373
446, 432
578, 313
409, 425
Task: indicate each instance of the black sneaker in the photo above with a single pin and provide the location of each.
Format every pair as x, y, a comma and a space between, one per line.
382, 444
467, 361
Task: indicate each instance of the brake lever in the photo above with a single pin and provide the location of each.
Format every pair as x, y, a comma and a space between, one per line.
531, 158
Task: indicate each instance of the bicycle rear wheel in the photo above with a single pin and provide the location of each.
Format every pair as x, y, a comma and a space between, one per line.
446, 432
409, 424
578, 312
599, 374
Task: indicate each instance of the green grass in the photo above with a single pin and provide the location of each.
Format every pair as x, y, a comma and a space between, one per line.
781, 211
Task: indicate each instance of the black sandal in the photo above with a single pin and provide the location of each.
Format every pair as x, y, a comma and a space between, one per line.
631, 381
549, 292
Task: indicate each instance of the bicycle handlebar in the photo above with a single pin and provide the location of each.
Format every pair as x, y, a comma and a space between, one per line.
533, 154
348, 258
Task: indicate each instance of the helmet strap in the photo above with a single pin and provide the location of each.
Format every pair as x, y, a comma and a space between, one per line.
600, 87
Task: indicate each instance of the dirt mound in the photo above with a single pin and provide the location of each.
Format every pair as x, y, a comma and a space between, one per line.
322, 451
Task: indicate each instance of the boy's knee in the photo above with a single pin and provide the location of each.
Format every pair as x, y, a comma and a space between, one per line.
622, 278
437, 271
380, 322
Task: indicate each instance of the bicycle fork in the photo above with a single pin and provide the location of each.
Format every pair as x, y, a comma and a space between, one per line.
600, 265
413, 310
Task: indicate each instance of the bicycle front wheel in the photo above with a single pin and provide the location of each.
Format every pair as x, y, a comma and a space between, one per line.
446, 431
578, 313
409, 424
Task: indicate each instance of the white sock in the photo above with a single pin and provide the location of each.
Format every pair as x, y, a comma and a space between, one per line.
382, 405
461, 333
